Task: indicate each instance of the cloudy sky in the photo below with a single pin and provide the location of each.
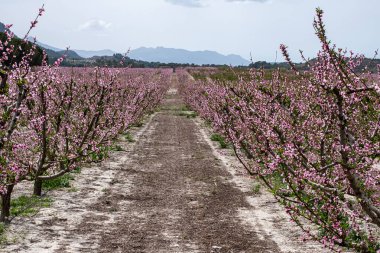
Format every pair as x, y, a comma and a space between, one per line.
241, 27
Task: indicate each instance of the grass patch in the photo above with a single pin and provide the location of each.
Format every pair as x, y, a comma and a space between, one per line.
137, 124
3, 237
128, 137
207, 123
59, 182
73, 189
116, 148
256, 188
186, 111
100, 155
183, 108
28, 205
220, 139
199, 76
188, 114
77, 170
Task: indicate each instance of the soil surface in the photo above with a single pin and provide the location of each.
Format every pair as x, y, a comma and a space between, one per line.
171, 190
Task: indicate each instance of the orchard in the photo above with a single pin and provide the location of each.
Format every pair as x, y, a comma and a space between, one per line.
311, 137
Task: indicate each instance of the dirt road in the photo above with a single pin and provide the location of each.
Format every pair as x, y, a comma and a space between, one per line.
167, 192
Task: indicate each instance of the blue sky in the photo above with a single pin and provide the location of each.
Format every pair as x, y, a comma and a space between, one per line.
241, 27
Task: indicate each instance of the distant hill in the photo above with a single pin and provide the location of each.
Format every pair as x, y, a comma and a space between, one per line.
2, 27
54, 53
157, 55
182, 56
89, 53
74, 52
55, 49
70, 54
160, 57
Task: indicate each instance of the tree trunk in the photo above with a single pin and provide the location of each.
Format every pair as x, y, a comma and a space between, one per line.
37, 190
6, 204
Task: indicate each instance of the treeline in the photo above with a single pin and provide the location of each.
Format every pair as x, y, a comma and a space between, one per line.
367, 64
20, 47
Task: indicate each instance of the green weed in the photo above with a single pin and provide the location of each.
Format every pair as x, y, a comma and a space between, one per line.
256, 188
116, 148
59, 182
28, 205
3, 237
128, 137
73, 189
220, 139
188, 114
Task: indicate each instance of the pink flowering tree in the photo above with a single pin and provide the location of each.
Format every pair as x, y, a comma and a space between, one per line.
54, 118
15, 83
312, 137
77, 113
58, 105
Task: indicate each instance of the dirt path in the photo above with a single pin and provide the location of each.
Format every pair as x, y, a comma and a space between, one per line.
168, 192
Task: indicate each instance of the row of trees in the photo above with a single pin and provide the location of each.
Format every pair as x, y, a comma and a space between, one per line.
53, 118
312, 137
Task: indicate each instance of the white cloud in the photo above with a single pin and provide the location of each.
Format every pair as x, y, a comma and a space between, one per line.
260, 1
95, 25
200, 3
187, 3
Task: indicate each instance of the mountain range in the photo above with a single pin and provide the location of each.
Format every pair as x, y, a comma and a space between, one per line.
164, 55
158, 54
182, 56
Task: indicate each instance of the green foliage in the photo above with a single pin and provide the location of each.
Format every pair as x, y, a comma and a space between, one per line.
208, 123
59, 182
186, 111
199, 76
5, 91
77, 170
224, 76
278, 185
188, 114
28, 205
128, 137
116, 148
62, 181
2, 228
3, 237
220, 139
3, 161
100, 155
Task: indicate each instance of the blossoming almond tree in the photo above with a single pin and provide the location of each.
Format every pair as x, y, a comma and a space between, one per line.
77, 113
54, 118
15, 66
313, 138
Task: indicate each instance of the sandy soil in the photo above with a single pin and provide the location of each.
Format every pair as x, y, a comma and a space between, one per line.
172, 190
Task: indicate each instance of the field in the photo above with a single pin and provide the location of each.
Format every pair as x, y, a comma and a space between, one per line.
171, 188
195, 159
